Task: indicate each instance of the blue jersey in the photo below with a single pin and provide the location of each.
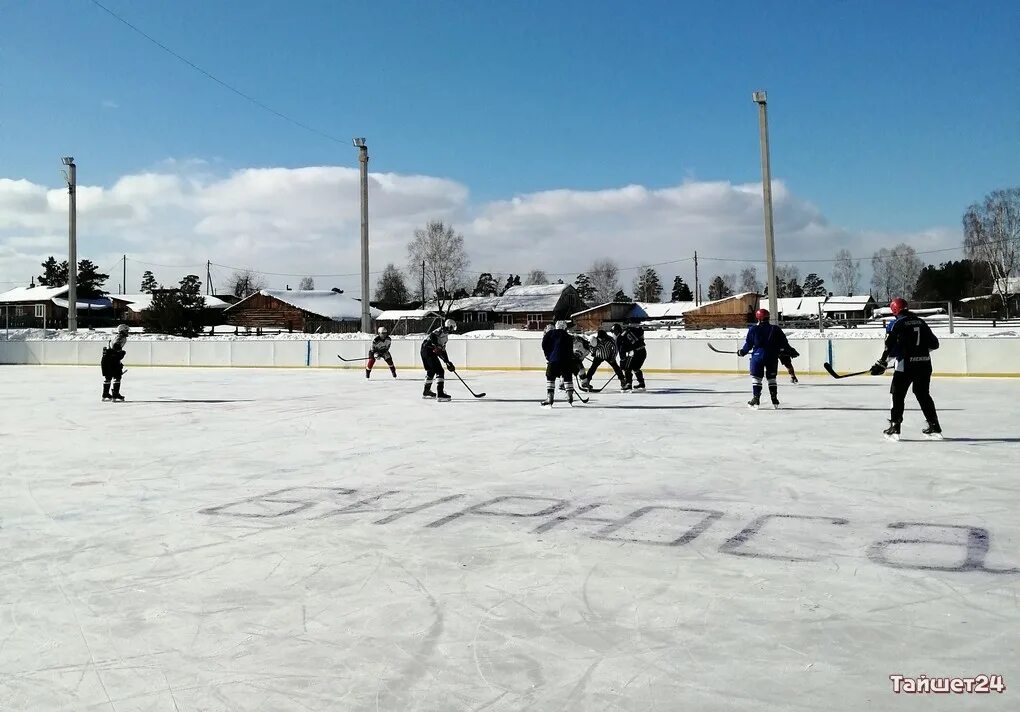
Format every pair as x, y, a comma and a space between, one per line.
765, 340
558, 346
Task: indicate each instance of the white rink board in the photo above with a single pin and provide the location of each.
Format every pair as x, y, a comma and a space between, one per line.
958, 357
307, 539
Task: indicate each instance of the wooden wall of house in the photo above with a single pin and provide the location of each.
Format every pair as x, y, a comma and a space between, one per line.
733, 312
262, 310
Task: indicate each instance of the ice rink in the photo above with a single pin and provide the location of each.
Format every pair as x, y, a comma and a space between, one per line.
306, 540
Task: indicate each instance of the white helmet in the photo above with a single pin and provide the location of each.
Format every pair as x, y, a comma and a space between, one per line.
561, 325
123, 329
382, 331
450, 325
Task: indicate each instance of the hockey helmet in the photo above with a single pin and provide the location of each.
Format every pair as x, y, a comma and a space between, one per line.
897, 305
762, 315
382, 331
561, 325
617, 329
123, 329
450, 325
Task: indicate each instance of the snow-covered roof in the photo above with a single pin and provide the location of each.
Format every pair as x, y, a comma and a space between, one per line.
397, 314
799, 306
85, 304
660, 310
1009, 285
531, 298
141, 302
32, 294
327, 304
855, 302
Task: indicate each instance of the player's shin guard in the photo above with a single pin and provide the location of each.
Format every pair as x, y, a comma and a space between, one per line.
756, 387
106, 389
550, 391
773, 390
441, 386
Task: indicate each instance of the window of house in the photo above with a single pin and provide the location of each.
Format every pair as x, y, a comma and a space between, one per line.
40, 311
506, 319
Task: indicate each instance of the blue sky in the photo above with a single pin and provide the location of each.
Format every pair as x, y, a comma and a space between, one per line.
886, 116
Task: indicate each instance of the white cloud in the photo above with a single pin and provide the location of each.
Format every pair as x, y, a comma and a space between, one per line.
109, 104
306, 221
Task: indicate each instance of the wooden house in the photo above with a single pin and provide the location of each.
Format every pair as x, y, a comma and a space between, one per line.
735, 311
307, 311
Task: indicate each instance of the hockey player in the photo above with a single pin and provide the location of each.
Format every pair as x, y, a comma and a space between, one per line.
380, 349
112, 365
559, 355
433, 356
910, 341
786, 357
603, 350
764, 342
582, 350
631, 343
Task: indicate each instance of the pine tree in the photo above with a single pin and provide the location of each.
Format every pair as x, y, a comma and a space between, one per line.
90, 280
621, 296
584, 288
391, 288
486, 286
814, 286
54, 274
792, 289
165, 312
149, 284
681, 292
718, 289
647, 287
191, 303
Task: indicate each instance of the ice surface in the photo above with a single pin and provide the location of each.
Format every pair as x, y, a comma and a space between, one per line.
310, 540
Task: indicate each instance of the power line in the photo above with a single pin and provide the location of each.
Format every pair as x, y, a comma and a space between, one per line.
210, 75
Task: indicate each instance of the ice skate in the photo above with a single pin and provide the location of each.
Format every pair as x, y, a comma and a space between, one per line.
892, 432
775, 402
427, 394
754, 403
547, 403
368, 373
933, 431
106, 393
443, 398
793, 380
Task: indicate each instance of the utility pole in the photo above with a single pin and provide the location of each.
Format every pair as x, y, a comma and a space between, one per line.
366, 307
208, 277
697, 284
760, 98
125, 275
423, 285
71, 177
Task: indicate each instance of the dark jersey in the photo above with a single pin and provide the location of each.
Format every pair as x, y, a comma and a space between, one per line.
909, 340
632, 339
435, 344
765, 340
381, 345
558, 346
581, 347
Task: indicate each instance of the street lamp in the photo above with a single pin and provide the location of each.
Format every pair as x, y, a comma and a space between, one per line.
760, 98
70, 175
366, 307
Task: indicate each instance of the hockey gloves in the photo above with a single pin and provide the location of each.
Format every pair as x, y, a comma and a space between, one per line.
741, 352
878, 368
450, 366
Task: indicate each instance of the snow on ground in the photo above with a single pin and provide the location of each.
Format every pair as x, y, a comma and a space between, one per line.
309, 540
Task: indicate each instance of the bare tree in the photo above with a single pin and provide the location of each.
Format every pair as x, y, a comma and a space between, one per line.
991, 234
749, 280
537, 276
604, 275
846, 273
442, 251
244, 283
306, 284
895, 272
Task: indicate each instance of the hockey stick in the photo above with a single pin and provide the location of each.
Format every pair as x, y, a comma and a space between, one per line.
577, 391
720, 351
351, 360
476, 395
828, 367
605, 385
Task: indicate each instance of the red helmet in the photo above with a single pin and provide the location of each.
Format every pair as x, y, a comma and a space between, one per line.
897, 305
762, 315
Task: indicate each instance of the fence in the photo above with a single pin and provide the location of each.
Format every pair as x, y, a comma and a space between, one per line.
956, 357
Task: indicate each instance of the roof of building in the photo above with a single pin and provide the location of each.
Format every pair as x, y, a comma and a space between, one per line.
397, 314
792, 307
531, 298
32, 294
854, 302
85, 304
327, 304
660, 310
141, 302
